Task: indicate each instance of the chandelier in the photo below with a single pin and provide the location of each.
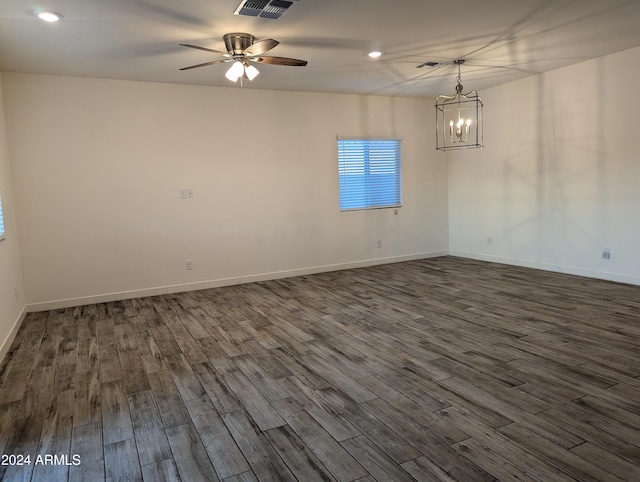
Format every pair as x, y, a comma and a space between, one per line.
459, 118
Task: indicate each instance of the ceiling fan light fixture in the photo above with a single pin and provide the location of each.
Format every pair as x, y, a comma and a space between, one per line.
235, 71
242, 51
251, 72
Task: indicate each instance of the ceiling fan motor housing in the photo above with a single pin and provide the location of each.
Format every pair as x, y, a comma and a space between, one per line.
237, 42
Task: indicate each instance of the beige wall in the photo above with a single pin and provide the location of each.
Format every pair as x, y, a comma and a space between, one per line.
559, 179
98, 166
11, 294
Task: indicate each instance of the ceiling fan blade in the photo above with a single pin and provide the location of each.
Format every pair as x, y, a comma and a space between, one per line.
222, 61
259, 47
219, 52
279, 61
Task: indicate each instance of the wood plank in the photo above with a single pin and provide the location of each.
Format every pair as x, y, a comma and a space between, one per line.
164, 470
40, 391
564, 459
55, 438
192, 324
496, 387
150, 352
8, 415
602, 458
299, 458
116, 418
510, 450
189, 347
164, 340
261, 411
121, 461
47, 352
220, 394
375, 461
575, 377
425, 470
190, 456
595, 428
65, 370
260, 378
125, 337
265, 340
330, 453
24, 440
244, 477
614, 376
552, 432
86, 443
428, 443
109, 362
230, 346
337, 378
432, 421
223, 452
446, 397
150, 437
409, 386
184, 378
170, 404
134, 378
360, 415
262, 457
328, 416
490, 461
299, 369
87, 354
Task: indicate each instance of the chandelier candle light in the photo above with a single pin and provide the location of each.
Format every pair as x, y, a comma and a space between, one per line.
459, 119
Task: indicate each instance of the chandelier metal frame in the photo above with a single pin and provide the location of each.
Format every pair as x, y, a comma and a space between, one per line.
459, 118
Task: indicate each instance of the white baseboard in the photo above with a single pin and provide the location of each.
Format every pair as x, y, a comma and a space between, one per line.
558, 268
201, 285
6, 344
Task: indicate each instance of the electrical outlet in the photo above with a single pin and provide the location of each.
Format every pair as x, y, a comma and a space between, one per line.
489, 240
606, 253
379, 243
186, 193
188, 265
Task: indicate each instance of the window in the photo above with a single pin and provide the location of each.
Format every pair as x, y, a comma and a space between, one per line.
1, 223
369, 173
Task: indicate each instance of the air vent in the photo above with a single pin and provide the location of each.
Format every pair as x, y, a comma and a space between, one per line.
263, 8
428, 64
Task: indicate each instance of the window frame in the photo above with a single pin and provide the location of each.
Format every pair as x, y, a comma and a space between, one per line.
367, 157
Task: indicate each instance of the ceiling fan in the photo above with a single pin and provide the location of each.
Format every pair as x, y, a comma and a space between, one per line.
243, 48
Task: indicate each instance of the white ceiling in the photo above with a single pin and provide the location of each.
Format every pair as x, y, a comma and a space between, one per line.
501, 40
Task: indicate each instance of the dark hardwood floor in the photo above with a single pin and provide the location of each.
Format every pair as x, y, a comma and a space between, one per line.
440, 369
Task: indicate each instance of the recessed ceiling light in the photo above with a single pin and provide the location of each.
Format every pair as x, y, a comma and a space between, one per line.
375, 54
49, 16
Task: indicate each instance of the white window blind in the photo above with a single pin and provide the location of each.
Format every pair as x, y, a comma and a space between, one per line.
1, 222
369, 173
